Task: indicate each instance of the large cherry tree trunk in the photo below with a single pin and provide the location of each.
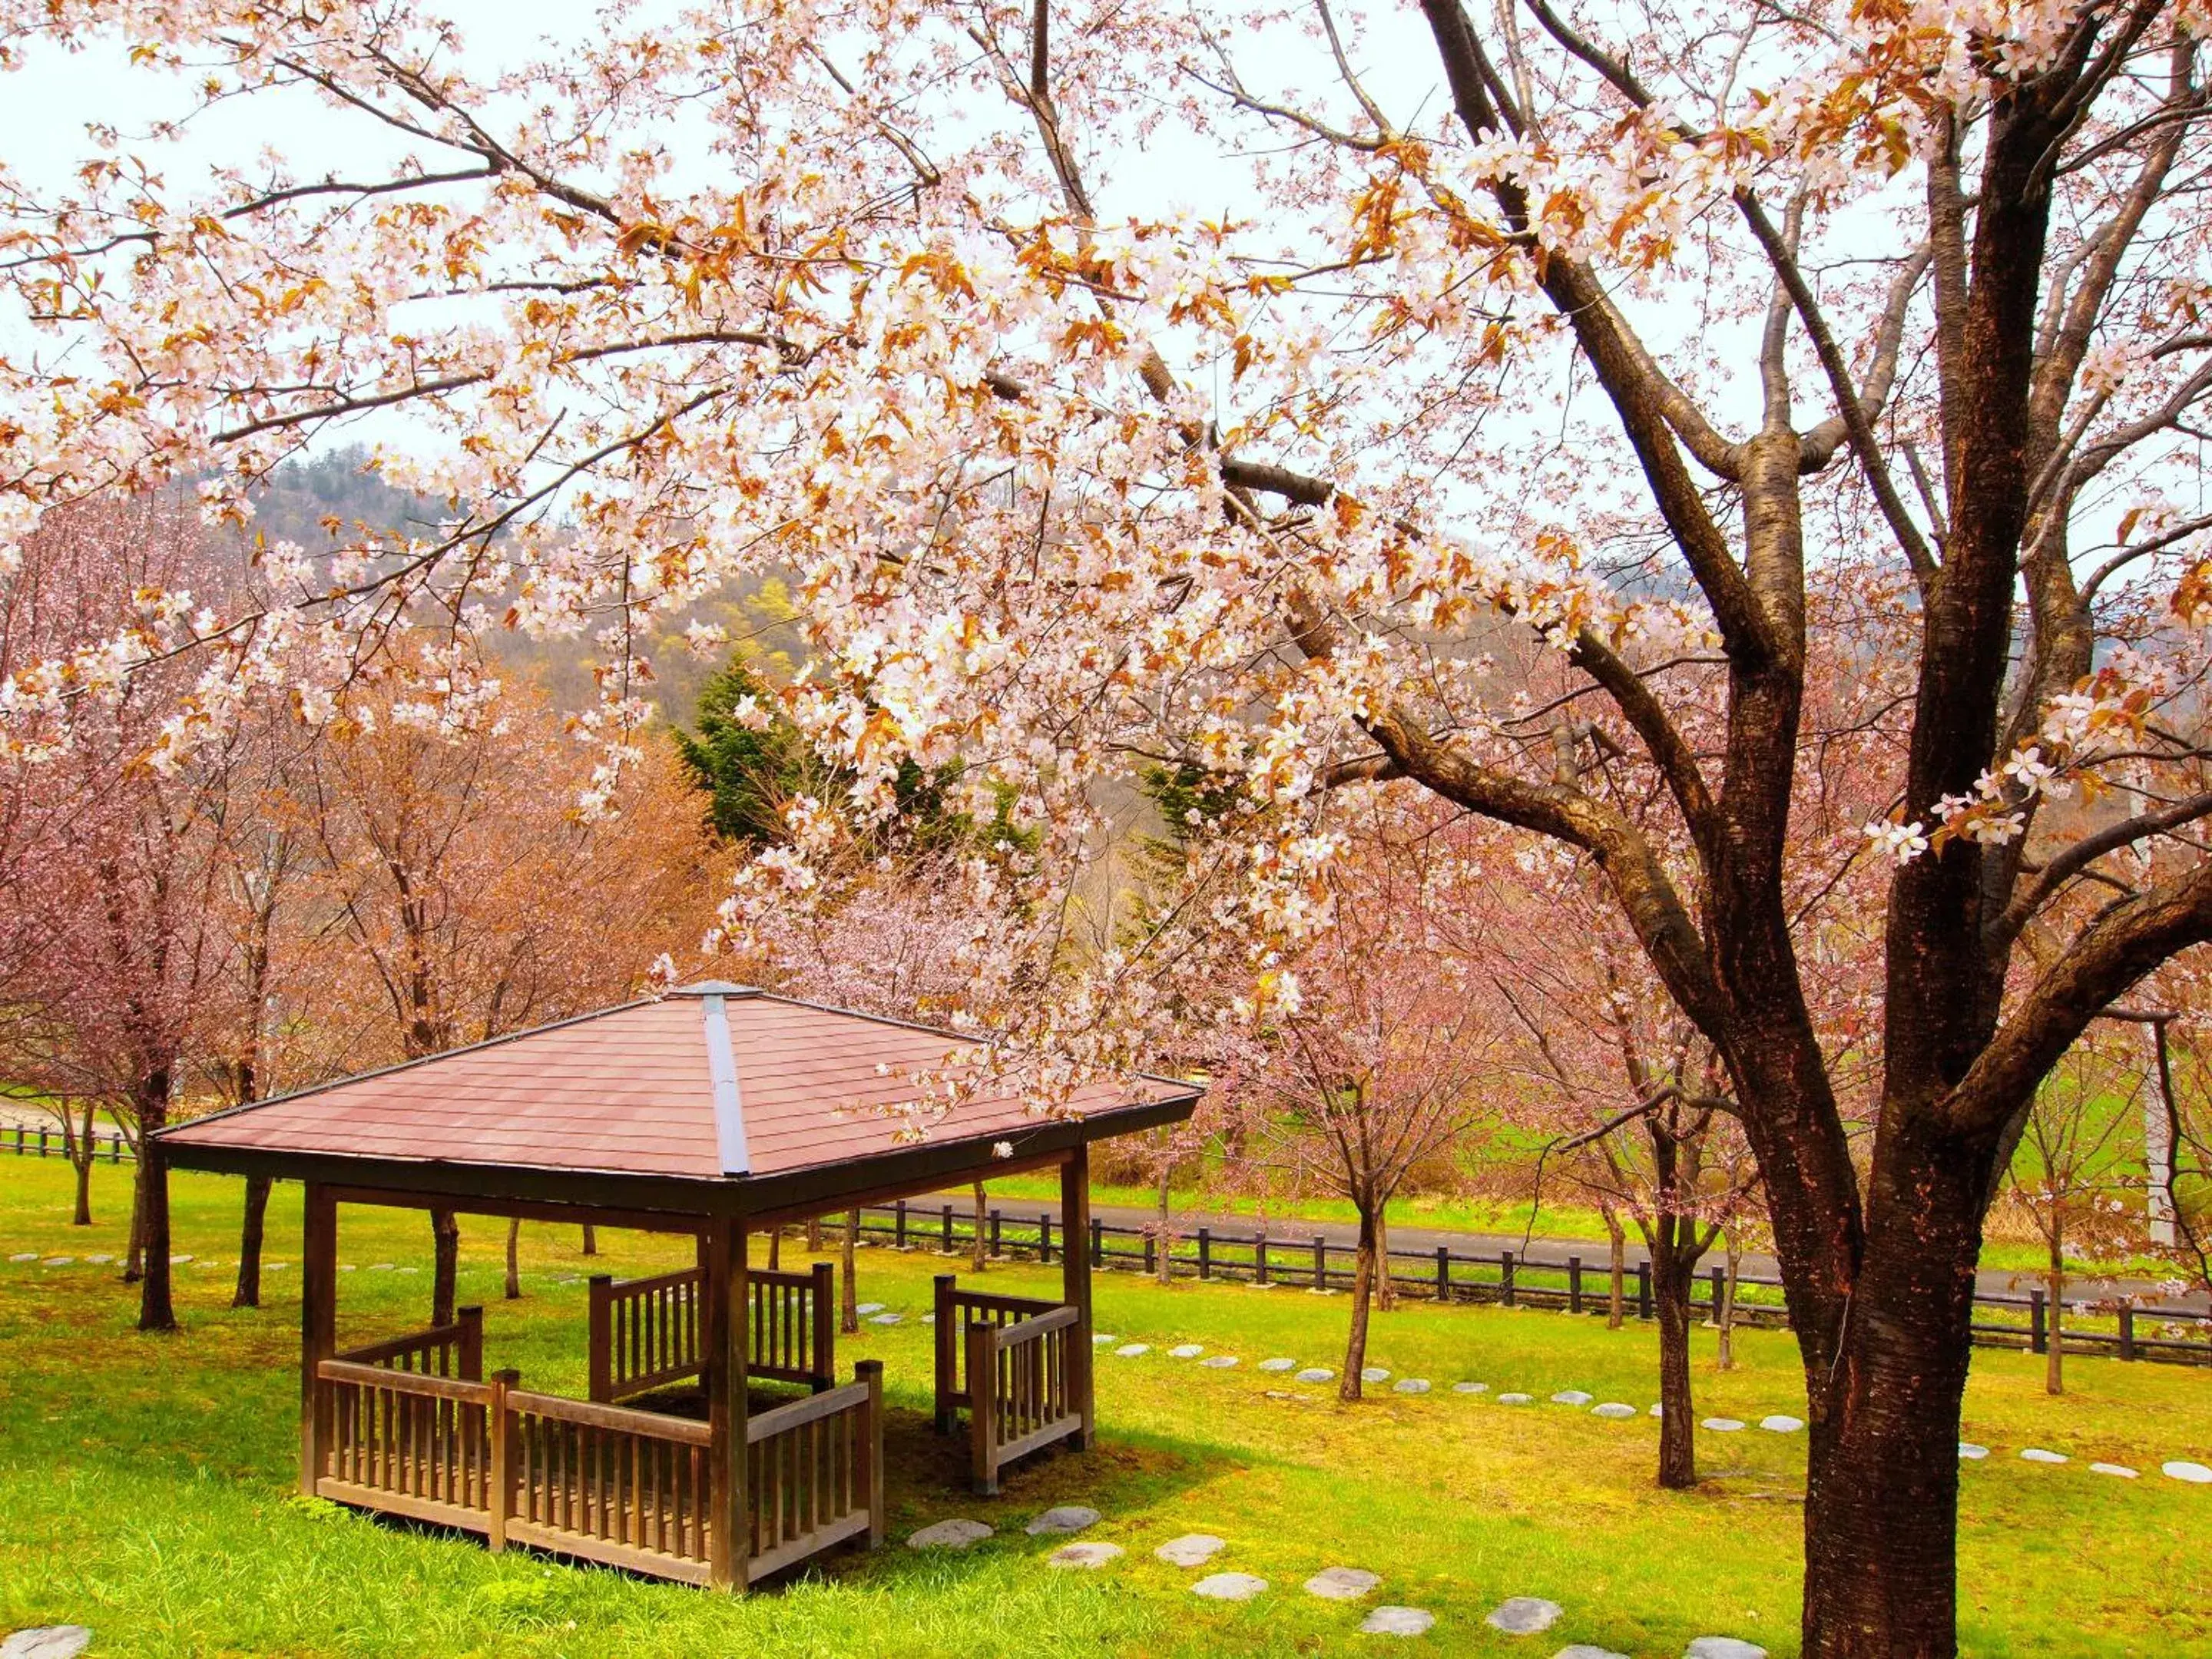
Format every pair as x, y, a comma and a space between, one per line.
1673, 1278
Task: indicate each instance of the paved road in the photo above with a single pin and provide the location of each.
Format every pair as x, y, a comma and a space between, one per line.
1996, 1281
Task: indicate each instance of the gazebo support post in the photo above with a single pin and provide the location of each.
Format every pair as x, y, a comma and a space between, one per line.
318, 1295
1075, 1280
726, 1347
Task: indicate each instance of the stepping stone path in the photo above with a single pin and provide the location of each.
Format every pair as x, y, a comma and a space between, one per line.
1131, 1350
1781, 1425
2120, 1470
1398, 1622
1219, 1362
1584, 1651
1067, 1517
2195, 1474
1523, 1615
955, 1534
1723, 1425
2036, 1455
46, 1641
1722, 1647
1613, 1411
1193, 1549
1342, 1583
1516, 1399
1470, 1387
1091, 1556
1570, 1397
1411, 1385
1229, 1587
867, 1308
1278, 1365
1186, 1351
1316, 1374
887, 1318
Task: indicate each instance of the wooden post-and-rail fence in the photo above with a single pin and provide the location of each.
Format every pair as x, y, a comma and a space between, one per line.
648, 1333
1010, 1362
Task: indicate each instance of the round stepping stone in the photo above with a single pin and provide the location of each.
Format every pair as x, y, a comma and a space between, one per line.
1613, 1411
273, 1267
1570, 1397
1658, 1409
24, 1255
1516, 1399
866, 1307
2037, 1455
1091, 1556
1584, 1651
1722, 1647
1229, 1587
1097, 1340
1131, 1350
1971, 1452
48, 1642
2195, 1474
1342, 1583
1193, 1549
954, 1534
373, 1267
1186, 1351
1278, 1365
347, 1267
1316, 1374
1470, 1387
888, 1319
102, 1260
1723, 1425
410, 1270
1374, 1374
1411, 1385
1066, 1517
1219, 1362
1523, 1615
59, 1261
1398, 1622
2120, 1470
180, 1260
1778, 1424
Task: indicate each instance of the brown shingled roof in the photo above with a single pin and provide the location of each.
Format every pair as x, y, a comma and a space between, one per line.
645, 1089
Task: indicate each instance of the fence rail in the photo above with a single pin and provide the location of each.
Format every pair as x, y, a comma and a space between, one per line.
1572, 1283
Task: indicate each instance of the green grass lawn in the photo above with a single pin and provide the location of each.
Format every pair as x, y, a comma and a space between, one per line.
146, 1484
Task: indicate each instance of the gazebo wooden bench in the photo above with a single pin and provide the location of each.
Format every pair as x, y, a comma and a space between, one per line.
712, 1112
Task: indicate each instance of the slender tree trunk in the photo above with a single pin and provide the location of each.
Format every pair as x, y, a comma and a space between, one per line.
156, 1311
1882, 1476
1619, 1240
775, 1250
134, 1257
1725, 1316
591, 1239
1163, 1265
848, 1306
1362, 1295
1386, 1288
513, 1258
82, 1156
2054, 1278
1673, 1277
251, 1226
814, 1234
445, 1256
979, 1253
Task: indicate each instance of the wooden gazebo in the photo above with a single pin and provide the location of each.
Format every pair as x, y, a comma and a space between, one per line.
715, 1111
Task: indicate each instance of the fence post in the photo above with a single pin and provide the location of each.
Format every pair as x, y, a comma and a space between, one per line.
115, 1149
822, 1324
983, 1408
1098, 1241
2127, 1331
994, 1232
1044, 1249
19, 1141
1205, 1253
1321, 1262
1505, 1277
1443, 1273
1720, 1292
2039, 1338
1574, 1283
1152, 1254
898, 1225
469, 1360
947, 1334
500, 1424
42, 1142
601, 1343
871, 1372
947, 1245
1260, 1259
1643, 1289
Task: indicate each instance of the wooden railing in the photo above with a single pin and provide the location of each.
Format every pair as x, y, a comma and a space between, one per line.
646, 1332
957, 1312
454, 1350
628, 1488
407, 1444
1019, 1377
814, 1473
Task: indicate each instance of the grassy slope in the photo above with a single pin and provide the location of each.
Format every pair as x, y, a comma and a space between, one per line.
145, 1483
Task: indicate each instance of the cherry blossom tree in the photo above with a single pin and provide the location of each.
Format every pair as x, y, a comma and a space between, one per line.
1619, 324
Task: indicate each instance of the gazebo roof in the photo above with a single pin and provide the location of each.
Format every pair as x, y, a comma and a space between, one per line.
750, 1101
